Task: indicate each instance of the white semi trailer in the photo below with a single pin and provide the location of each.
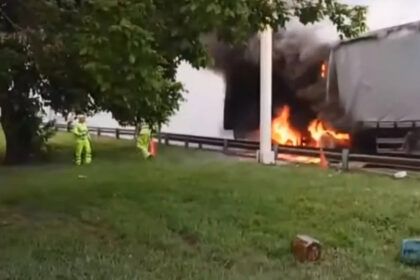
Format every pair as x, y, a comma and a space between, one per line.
375, 80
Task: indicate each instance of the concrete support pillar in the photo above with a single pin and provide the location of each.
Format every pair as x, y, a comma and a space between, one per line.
266, 153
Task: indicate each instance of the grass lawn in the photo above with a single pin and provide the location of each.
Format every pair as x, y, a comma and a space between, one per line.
197, 215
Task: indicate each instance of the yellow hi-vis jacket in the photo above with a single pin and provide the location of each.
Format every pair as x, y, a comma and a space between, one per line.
145, 129
81, 131
144, 138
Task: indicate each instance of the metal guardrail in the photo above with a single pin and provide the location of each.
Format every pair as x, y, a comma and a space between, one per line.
167, 138
242, 148
202, 141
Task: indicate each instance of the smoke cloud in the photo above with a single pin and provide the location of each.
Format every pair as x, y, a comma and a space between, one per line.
298, 53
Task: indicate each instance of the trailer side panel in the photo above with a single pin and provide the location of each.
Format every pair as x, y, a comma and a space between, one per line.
378, 80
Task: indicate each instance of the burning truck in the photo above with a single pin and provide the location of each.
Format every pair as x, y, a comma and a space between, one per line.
300, 71
360, 92
373, 81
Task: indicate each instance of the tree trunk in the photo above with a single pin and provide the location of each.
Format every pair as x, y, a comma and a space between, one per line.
18, 135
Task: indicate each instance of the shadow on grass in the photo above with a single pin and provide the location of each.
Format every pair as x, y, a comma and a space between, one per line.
61, 150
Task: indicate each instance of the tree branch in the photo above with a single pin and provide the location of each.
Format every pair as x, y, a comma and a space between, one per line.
11, 22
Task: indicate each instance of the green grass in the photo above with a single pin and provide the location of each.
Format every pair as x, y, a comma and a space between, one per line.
197, 215
2, 143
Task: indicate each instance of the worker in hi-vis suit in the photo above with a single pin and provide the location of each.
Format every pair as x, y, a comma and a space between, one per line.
83, 146
144, 141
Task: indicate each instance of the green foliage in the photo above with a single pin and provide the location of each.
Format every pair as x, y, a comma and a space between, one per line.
121, 56
33, 73
44, 133
131, 48
21, 88
350, 21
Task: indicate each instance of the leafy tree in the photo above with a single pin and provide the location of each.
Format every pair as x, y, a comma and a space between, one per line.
121, 56
32, 64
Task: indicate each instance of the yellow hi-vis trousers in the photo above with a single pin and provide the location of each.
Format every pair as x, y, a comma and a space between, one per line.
143, 142
83, 152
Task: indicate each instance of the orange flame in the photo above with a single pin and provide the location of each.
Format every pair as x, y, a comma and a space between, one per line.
299, 159
321, 135
323, 159
324, 70
318, 129
284, 134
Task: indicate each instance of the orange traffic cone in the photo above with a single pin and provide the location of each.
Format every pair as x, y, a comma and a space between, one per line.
324, 161
153, 147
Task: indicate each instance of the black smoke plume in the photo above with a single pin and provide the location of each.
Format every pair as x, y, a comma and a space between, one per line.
298, 54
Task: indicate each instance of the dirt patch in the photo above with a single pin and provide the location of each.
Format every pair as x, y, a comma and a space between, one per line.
191, 239
9, 217
103, 232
